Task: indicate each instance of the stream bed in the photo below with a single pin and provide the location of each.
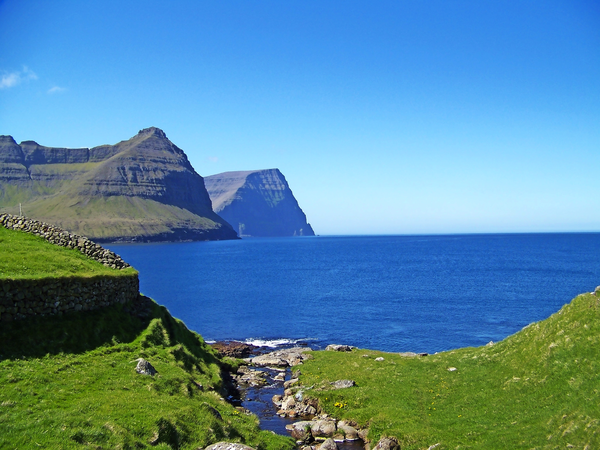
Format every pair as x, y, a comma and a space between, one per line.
258, 400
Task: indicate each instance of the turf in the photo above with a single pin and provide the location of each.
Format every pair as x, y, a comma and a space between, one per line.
85, 393
537, 389
25, 256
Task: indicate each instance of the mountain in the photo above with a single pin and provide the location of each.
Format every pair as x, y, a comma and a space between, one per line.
257, 203
141, 189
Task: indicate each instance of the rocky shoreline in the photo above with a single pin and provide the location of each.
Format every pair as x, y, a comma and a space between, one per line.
310, 426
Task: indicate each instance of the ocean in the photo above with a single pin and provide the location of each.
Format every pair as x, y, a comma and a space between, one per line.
389, 293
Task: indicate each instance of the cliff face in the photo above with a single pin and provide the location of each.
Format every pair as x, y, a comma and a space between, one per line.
141, 189
257, 203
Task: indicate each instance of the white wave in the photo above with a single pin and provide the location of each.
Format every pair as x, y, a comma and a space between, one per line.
273, 343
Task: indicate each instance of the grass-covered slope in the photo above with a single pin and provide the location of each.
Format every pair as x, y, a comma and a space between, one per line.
70, 382
25, 256
537, 389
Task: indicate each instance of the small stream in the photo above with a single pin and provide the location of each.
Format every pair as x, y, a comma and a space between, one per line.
258, 401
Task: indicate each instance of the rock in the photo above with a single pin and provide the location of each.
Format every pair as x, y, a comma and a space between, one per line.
228, 446
323, 428
279, 377
380, 358
343, 384
144, 367
452, 369
329, 444
301, 431
288, 403
407, 354
363, 435
234, 349
282, 358
350, 433
258, 203
387, 443
248, 377
290, 383
277, 399
489, 344
339, 348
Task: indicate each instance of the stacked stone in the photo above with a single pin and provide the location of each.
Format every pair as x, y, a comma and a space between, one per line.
60, 237
23, 298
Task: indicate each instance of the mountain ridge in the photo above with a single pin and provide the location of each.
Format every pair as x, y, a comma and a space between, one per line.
140, 189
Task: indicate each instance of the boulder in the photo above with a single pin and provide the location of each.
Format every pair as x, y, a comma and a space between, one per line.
144, 367
350, 433
343, 384
228, 446
301, 431
387, 443
339, 348
282, 358
329, 444
323, 428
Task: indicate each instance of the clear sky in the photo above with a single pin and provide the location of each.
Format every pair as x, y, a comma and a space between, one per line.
386, 117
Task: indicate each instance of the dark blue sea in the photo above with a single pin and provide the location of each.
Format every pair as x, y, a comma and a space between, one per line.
390, 293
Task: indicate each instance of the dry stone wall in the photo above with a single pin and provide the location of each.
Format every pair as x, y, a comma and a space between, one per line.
23, 298
20, 299
57, 236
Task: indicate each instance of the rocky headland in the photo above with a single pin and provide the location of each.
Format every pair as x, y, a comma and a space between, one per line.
141, 189
257, 203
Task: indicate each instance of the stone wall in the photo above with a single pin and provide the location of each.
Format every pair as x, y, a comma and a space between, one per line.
23, 298
57, 236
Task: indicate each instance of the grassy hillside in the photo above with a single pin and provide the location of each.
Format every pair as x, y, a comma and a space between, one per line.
27, 256
539, 388
132, 216
70, 382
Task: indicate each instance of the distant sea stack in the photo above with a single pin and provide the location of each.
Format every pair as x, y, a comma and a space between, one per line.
141, 189
257, 203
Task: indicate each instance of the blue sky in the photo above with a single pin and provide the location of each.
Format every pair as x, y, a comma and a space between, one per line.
386, 117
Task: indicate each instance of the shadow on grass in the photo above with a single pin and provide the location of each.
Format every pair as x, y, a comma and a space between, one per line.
78, 332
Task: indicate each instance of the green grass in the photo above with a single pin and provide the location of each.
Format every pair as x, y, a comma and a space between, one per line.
25, 256
69, 382
114, 216
537, 389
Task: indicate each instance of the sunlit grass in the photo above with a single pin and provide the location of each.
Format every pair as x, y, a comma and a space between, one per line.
539, 388
25, 256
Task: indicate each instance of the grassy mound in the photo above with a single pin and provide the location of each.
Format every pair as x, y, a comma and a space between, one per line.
70, 382
539, 388
25, 256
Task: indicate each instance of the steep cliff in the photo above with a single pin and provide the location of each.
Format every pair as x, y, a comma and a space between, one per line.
141, 189
257, 203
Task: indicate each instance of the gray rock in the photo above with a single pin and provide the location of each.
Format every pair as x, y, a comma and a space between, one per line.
339, 348
282, 358
323, 428
144, 367
300, 430
228, 446
329, 444
343, 384
350, 433
380, 358
387, 443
